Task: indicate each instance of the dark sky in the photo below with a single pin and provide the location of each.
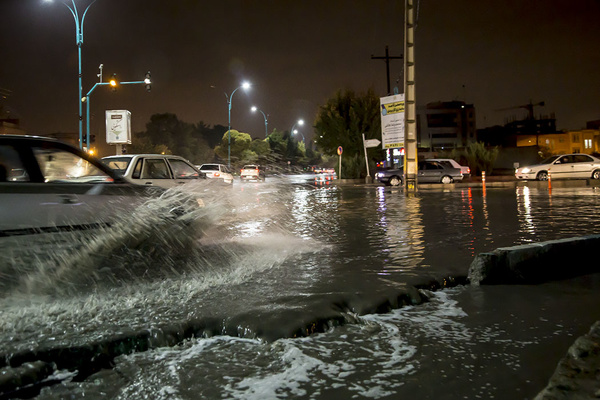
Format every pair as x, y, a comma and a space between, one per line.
495, 54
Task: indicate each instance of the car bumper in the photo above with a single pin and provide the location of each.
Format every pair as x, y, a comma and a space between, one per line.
525, 177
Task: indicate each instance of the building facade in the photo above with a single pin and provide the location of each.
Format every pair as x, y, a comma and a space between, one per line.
447, 125
585, 141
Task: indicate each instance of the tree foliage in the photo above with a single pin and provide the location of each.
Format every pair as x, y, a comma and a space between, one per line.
342, 121
478, 156
166, 134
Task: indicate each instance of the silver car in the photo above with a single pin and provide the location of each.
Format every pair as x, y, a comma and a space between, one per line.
161, 170
565, 166
428, 172
50, 186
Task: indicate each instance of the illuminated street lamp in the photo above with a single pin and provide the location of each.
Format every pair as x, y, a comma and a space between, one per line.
300, 122
254, 109
297, 131
79, 41
244, 86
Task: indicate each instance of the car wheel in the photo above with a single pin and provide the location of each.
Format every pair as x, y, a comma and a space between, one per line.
596, 174
542, 176
447, 179
395, 181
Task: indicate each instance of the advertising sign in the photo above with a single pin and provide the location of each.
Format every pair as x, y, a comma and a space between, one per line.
392, 121
118, 127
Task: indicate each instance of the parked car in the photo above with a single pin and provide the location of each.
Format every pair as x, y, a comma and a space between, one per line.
565, 166
50, 186
161, 170
465, 170
217, 171
428, 172
252, 173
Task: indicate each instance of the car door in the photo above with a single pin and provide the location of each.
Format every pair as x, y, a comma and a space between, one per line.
562, 168
154, 171
583, 166
430, 171
182, 171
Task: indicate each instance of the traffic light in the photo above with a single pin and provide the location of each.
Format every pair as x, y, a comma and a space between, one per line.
148, 81
114, 82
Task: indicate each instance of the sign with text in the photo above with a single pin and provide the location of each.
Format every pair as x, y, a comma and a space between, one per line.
118, 127
392, 121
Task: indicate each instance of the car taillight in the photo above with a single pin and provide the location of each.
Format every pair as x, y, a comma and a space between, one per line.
217, 174
468, 170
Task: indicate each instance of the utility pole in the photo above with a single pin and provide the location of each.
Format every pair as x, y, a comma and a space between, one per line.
410, 108
387, 59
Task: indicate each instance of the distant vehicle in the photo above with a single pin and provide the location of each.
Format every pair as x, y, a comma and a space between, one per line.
565, 166
466, 171
252, 172
161, 170
428, 172
217, 171
50, 186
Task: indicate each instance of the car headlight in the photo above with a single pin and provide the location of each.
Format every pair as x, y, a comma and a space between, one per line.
526, 170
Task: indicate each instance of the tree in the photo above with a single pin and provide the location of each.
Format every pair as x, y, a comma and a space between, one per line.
479, 157
240, 144
342, 121
165, 133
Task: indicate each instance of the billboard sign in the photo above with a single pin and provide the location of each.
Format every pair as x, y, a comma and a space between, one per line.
392, 121
118, 127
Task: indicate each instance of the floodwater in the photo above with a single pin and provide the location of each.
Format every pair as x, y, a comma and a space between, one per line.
285, 289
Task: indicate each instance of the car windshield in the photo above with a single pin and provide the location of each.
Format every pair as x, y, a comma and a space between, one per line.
210, 167
119, 164
549, 160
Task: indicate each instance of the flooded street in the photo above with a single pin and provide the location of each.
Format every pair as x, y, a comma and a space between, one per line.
285, 289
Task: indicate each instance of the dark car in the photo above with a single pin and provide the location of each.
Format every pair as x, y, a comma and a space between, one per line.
428, 172
48, 186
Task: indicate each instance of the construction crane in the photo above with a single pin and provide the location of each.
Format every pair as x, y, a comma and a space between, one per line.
528, 107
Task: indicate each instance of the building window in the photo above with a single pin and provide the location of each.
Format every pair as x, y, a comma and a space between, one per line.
587, 143
575, 138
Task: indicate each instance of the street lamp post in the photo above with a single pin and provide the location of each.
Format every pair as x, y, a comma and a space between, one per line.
79, 41
244, 86
300, 122
254, 109
297, 131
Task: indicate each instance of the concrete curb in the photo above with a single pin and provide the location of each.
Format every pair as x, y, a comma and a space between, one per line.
536, 262
577, 375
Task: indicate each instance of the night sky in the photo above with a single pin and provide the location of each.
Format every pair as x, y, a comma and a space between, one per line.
494, 54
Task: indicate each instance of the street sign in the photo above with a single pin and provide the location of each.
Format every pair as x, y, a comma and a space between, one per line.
340, 150
372, 143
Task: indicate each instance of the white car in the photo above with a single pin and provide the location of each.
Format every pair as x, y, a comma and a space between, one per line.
465, 170
48, 186
252, 172
161, 170
217, 171
565, 166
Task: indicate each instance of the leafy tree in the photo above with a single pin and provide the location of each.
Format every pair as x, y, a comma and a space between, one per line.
342, 121
165, 133
479, 157
240, 143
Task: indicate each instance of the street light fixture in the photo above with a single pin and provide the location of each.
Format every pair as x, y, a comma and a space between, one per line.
79, 41
254, 109
244, 86
297, 131
300, 122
